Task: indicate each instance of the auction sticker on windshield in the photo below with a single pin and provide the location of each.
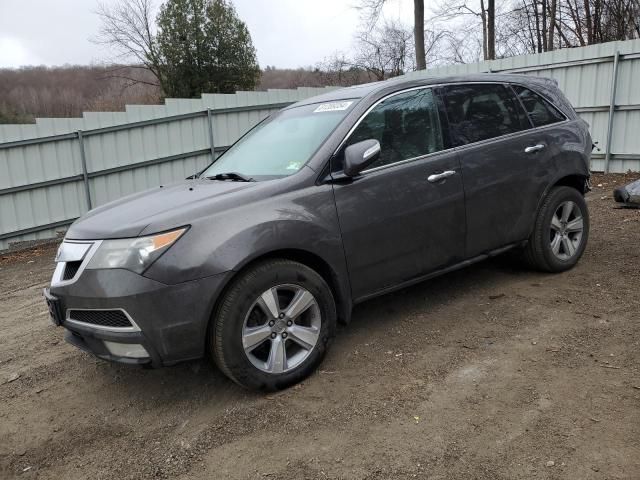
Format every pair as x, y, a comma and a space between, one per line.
332, 107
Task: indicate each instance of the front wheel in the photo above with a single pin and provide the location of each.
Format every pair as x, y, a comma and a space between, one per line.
560, 232
273, 325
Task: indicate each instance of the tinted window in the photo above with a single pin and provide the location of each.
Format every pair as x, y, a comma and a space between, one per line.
540, 111
406, 125
479, 112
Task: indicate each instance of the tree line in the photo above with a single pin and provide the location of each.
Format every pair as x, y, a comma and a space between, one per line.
465, 31
534, 26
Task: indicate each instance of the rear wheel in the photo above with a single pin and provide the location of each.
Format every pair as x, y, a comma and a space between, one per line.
560, 233
273, 325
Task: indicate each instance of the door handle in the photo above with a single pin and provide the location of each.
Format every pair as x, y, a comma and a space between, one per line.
533, 149
436, 177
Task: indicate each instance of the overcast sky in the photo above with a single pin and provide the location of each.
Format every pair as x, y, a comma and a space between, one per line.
286, 33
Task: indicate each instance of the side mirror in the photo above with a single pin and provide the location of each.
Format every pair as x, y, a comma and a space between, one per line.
359, 156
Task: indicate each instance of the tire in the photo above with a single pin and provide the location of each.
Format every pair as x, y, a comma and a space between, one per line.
555, 245
250, 311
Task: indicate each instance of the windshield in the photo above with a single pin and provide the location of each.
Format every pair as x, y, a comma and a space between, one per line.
283, 143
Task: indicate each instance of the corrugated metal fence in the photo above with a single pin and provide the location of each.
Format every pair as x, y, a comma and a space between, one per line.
54, 171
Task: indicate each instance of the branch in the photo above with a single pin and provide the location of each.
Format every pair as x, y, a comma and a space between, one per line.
134, 81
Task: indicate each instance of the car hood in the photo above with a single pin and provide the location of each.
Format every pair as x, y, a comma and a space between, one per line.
131, 215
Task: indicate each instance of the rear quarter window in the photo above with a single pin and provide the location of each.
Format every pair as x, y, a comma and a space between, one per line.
540, 111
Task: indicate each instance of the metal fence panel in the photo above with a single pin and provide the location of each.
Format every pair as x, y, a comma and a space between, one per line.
30, 164
116, 185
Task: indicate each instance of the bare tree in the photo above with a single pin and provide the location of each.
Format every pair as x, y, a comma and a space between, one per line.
570, 23
372, 10
340, 70
535, 26
385, 51
127, 29
457, 11
615, 20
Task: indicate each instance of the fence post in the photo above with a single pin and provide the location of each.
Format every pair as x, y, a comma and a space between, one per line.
612, 107
85, 175
211, 142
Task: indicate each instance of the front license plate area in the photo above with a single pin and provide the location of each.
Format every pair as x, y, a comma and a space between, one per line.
53, 304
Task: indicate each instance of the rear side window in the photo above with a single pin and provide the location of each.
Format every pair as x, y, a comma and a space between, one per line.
540, 111
406, 125
478, 112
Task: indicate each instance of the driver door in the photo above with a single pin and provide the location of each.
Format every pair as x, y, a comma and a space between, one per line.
401, 218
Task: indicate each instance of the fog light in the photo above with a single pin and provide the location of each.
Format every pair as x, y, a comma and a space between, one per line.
131, 350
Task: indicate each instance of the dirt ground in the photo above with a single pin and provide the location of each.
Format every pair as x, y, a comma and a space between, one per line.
492, 372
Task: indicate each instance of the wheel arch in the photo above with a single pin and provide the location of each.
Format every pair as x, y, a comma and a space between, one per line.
578, 181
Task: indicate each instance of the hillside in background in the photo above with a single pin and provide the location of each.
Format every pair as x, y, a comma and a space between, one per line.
273, 77
31, 92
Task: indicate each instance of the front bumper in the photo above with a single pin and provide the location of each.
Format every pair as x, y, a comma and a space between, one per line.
93, 341
170, 320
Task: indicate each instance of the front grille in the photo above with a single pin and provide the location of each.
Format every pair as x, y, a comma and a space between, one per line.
70, 270
103, 318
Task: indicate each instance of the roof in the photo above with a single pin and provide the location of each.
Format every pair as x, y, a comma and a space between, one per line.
356, 91
360, 91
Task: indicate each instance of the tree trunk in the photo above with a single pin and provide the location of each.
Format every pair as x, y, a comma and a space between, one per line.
491, 30
597, 33
418, 33
577, 21
536, 16
483, 16
544, 25
552, 24
587, 15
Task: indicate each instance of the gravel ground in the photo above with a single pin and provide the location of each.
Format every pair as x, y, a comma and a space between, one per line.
493, 372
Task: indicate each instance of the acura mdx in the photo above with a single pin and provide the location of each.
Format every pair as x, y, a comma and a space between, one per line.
325, 204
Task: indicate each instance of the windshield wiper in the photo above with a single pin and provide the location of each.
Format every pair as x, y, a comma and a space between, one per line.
233, 176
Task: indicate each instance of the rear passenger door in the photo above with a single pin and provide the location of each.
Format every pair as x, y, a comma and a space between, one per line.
503, 163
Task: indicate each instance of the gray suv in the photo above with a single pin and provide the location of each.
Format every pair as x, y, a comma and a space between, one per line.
323, 205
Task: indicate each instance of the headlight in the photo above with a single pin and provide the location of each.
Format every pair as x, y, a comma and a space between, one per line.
135, 254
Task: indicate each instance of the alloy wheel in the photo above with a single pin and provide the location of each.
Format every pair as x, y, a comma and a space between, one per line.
567, 227
281, 328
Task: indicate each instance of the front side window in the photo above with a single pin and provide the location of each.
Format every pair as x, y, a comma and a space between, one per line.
481, 111
540, 111
283, 143
406, 125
